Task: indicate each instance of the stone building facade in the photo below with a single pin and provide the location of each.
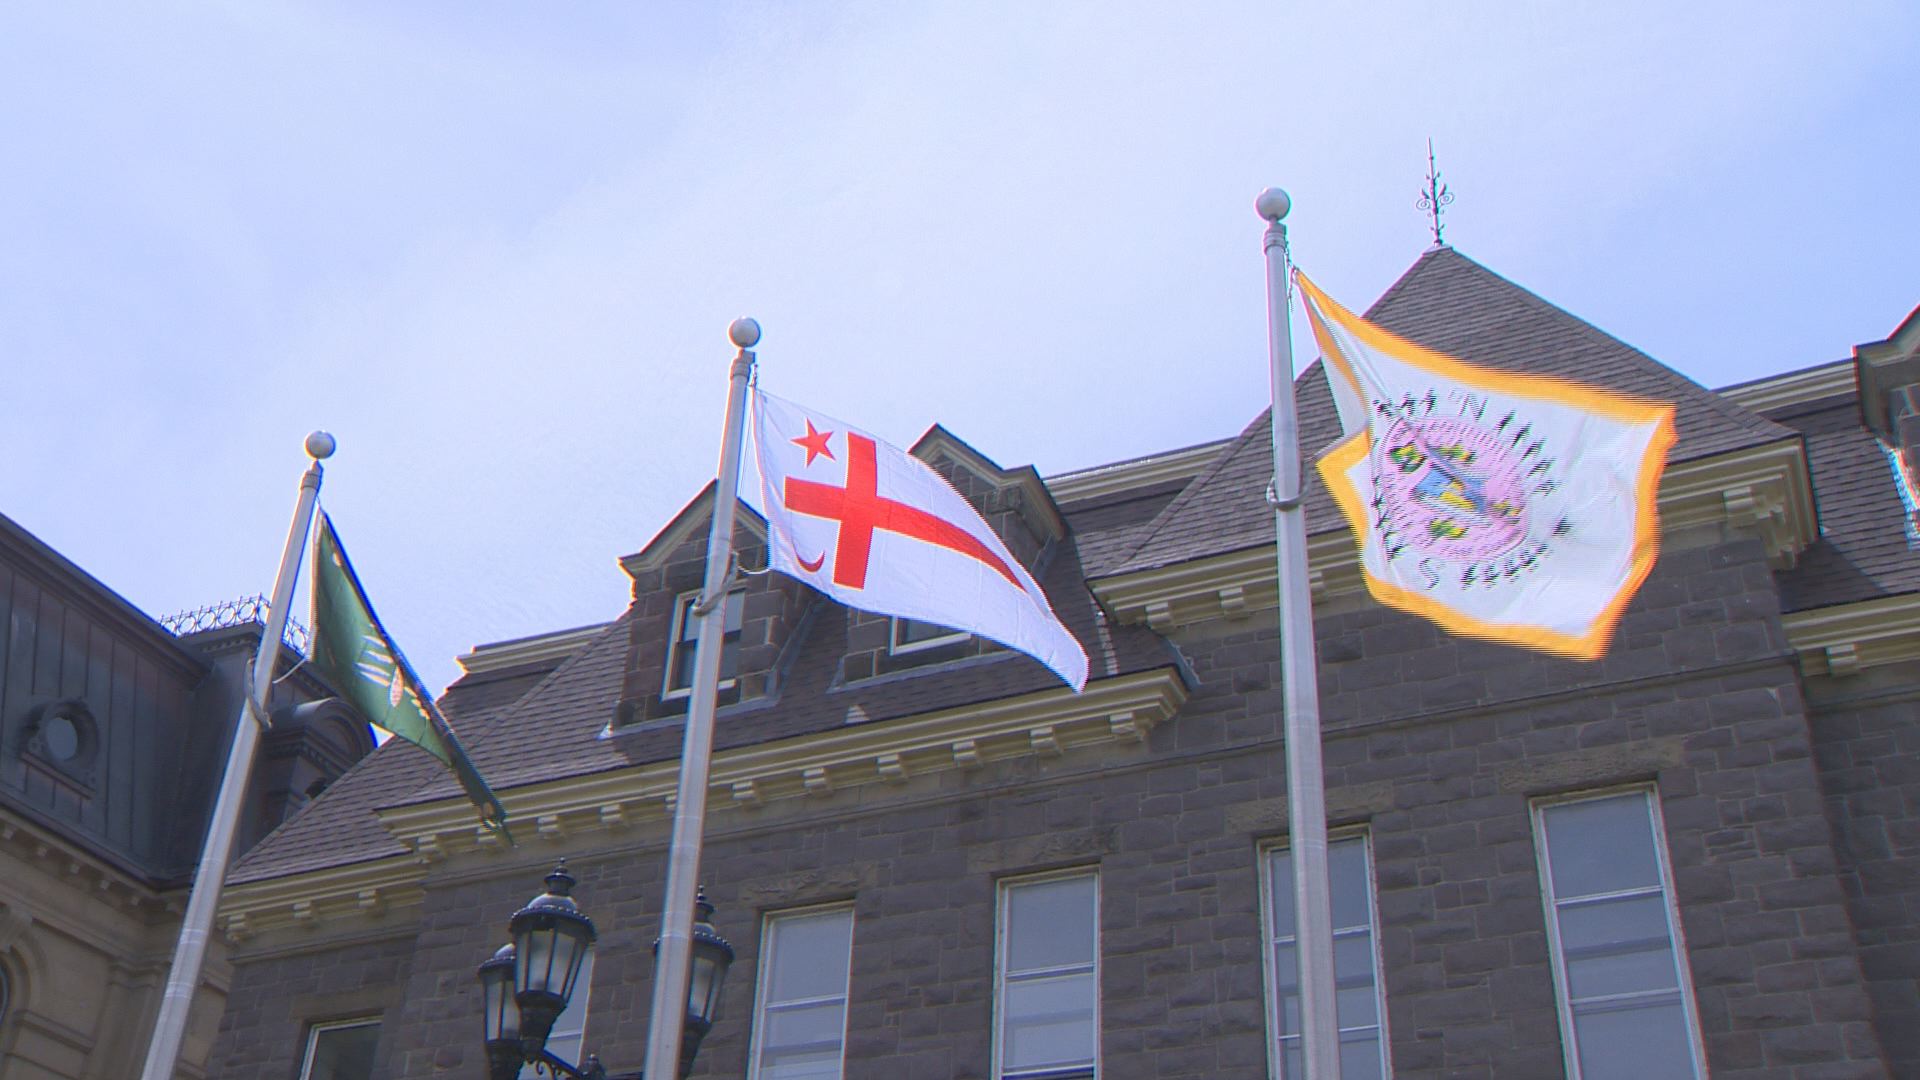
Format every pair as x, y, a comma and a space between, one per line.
113, 732
1694, 854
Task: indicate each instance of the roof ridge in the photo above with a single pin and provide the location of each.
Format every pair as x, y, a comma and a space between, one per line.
1728, 408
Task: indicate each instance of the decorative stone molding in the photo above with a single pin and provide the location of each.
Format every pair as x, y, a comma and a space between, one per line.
821, 765
1849, 638
362, 890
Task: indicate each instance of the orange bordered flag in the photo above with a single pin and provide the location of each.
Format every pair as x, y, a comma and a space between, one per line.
1510, 507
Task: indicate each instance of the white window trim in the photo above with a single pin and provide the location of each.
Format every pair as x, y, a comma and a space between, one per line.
1000, 939
1683, 974
313, 1038
764, 975
1268, 962
682, 604
896, 647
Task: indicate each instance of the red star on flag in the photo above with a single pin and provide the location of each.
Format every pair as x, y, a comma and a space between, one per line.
816, 443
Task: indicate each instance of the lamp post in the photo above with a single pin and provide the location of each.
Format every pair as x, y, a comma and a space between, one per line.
527, 984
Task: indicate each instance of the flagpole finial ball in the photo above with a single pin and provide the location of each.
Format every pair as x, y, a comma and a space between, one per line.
1273, 204
320, 446
744, 333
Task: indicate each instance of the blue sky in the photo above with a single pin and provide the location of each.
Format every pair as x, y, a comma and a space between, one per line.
494, 247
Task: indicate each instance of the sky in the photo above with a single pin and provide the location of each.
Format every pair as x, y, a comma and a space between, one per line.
495, 247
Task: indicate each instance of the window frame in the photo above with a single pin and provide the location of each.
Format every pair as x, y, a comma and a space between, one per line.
1269, 963
682, 606
317, 1028
764, 974
1001, 939
1676, 935
896, 647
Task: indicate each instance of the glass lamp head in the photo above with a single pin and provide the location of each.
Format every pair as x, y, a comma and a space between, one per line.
551, 936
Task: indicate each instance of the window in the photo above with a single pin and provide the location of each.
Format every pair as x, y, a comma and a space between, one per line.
1356, 963
800, 1020
1626, 1009
568, 1039
1047, 990
686, 631
912, 635
341, 1051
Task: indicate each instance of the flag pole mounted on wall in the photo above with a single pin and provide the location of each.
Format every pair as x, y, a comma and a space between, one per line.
670, 971
1300, 682
163, 1050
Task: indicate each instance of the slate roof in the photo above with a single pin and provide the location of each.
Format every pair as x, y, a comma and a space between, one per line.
339, 827
1449, 303
1862, 552
555, 728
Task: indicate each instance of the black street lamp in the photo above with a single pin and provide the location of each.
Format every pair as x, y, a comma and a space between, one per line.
528, 983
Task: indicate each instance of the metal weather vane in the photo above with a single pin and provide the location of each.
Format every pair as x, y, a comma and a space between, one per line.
1435, 199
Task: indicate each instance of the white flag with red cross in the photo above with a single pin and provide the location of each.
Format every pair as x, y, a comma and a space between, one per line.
875, 528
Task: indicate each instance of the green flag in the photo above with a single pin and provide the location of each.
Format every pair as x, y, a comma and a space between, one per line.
353, 651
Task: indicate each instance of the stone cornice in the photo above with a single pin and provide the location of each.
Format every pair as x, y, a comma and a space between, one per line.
1764, 489
1795, 387
364, 888
1848, 638
29, 844
743, 779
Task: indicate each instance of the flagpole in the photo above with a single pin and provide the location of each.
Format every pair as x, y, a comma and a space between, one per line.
670, 971
163, 1050
1306, 782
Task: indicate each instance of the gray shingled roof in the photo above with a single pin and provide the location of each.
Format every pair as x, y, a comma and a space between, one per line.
554, 729
339, 827
1449, 303
1862, 552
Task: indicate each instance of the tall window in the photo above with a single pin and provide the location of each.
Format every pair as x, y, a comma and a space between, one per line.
686, 630
568, 1039
800, 1016
1356, 964
1047, 986
1626, 1009
341, 1051
912, 635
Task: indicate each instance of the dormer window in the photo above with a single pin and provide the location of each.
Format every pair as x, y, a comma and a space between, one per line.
912, 635
686, 632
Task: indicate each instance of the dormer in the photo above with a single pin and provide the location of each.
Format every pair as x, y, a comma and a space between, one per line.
762, 609
1015, 502
1888, 373
1019, 509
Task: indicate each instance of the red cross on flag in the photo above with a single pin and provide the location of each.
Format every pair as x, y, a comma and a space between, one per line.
874, 528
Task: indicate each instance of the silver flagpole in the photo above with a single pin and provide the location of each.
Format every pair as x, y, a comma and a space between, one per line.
1306, 782
191, 951
670, 970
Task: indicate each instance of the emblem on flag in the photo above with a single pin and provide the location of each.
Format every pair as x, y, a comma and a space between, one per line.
1511, 507
875, 528
352, 649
